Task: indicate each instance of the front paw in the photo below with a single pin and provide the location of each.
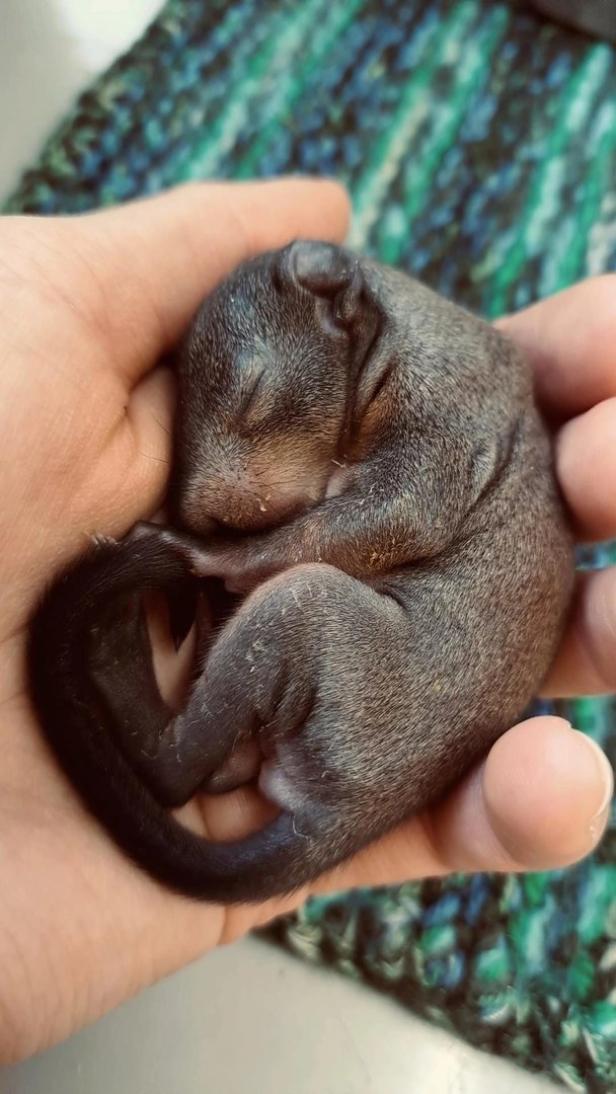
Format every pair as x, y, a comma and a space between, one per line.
200, 559
235, 563
240, 568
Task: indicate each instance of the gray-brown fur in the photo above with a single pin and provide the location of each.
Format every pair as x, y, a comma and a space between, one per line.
392, 630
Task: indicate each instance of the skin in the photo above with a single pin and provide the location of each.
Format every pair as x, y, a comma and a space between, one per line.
409, 560
87, 306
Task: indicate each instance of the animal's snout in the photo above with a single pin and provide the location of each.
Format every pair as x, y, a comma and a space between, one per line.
212, 511
254, 488
327, 272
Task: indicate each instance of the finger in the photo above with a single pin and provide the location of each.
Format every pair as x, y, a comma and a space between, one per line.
157, 258
586, 465
570, 339
540, 800
586, 660
149, 417
131, 482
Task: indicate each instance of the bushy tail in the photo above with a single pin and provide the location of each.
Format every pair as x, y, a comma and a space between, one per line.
78, 725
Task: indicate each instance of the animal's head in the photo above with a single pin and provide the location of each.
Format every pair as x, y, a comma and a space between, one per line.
276, 380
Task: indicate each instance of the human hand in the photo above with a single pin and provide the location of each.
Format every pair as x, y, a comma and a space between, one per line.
88, 306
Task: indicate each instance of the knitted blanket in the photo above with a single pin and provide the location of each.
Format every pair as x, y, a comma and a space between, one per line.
479, 143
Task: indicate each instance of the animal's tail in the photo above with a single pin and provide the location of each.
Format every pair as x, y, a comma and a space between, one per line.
78, 723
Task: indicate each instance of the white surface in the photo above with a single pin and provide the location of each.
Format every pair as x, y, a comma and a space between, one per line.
248, 1020
252, 1020
49, 50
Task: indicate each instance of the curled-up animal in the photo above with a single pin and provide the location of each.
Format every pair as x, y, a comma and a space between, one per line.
363, 493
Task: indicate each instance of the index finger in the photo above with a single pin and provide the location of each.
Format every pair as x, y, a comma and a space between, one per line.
570, 340
155, 259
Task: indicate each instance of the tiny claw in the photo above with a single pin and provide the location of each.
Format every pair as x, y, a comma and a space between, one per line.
99, 541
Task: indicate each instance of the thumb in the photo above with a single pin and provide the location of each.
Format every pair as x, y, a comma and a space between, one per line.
540, 801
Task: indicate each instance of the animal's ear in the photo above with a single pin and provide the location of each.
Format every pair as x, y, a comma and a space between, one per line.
373, 377
325, 271
319, 268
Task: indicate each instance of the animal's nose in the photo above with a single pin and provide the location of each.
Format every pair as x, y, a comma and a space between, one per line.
251, 514
239, 512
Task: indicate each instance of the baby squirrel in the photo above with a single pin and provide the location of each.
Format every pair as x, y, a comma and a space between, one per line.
361, 462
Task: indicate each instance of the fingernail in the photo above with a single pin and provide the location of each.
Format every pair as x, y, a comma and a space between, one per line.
598, 823
605, 773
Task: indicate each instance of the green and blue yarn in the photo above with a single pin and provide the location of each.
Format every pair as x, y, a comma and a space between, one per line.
433, 49
548, 182
479, 144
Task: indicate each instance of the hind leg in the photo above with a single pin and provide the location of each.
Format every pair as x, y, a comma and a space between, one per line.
303, 671
216, 742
